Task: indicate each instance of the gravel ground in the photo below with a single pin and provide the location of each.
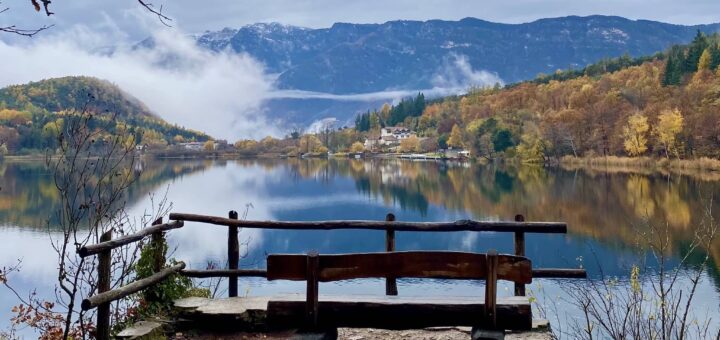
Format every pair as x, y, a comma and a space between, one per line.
427, 334
367, 334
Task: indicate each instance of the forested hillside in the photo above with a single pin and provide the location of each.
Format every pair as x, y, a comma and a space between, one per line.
667, 105
30, 114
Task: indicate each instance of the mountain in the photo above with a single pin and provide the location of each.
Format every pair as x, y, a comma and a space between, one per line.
25, 111
412, 55
664, 106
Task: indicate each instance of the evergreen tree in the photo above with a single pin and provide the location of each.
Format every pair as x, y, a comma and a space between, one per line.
697, 47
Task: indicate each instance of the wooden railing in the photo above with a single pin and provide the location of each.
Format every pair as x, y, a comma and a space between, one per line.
519, 227
103, 250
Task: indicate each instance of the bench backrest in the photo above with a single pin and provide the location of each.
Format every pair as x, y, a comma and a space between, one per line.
416, 264
411, 264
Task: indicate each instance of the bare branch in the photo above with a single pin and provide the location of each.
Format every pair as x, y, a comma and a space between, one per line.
158, 12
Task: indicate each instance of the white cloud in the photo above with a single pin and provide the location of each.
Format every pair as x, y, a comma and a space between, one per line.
457, 74
219, 93
453, 77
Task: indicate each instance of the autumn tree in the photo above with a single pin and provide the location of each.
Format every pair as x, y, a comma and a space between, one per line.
410, 144
357, 147
456, 139
670, 123
634, 133
209, 146
705, 60
310, 143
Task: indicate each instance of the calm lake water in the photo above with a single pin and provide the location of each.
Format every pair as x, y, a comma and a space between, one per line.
604, 211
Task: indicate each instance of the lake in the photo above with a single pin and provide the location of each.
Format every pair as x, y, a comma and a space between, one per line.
605, 211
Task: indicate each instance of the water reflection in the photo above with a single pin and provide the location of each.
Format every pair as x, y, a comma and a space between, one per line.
603, 211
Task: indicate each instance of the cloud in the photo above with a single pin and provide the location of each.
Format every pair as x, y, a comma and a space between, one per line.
219, 93
457, 74
453, 77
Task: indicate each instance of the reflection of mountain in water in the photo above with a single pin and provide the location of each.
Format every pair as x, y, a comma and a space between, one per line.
28, 196
605, 207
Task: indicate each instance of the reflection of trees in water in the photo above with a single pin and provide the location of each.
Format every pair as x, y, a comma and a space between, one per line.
609, 207
28, 196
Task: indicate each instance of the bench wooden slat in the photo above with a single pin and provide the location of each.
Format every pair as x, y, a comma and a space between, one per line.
414, 264
393, 312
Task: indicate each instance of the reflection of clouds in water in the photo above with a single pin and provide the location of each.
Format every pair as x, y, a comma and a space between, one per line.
207, 193
39, 260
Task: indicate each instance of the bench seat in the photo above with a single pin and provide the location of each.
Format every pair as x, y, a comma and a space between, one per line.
398, 312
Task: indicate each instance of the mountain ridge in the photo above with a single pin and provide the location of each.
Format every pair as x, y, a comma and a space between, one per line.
348, 58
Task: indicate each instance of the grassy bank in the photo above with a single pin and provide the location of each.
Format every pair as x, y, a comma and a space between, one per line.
702, 164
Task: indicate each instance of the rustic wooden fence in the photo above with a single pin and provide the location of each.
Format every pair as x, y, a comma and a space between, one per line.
519, 227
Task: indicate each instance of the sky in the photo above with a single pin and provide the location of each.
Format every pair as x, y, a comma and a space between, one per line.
197, 16
224, 94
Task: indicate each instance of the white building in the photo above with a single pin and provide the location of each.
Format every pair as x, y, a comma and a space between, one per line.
389, 136
194, 146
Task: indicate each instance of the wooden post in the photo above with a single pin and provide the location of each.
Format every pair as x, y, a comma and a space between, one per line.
157, 240
313, 285
390, 282
233, 254
491, 288
519, 251
104, 270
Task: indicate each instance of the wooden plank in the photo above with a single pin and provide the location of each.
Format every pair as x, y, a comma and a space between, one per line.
390, 281
415, 264
233, 254
102, 330
519, 251
224, 273
157, 241
491, 289
313, 288
121, 241
559, 273
134, 287
393, 312
461, 225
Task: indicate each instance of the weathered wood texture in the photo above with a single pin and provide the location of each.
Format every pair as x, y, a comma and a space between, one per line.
415, 264
224, 273
537, 273
158, 243
393, 312
313, 288
519, 251
134, 287
461, 225
121, 241
102, 329
390, 281
559, 273
491, 288
233, 254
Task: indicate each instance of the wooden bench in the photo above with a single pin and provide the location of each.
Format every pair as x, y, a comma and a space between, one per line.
393, 312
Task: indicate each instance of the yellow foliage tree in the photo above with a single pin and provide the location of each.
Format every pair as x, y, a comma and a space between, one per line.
209, 146
410, 144
310, 143
357, 147
456, 138
246, 145
635, 134
670, 123
705, 60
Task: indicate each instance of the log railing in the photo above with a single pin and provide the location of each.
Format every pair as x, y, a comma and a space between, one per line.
519, 227
103, 250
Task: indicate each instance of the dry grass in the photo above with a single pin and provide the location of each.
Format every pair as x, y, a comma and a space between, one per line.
704, 163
